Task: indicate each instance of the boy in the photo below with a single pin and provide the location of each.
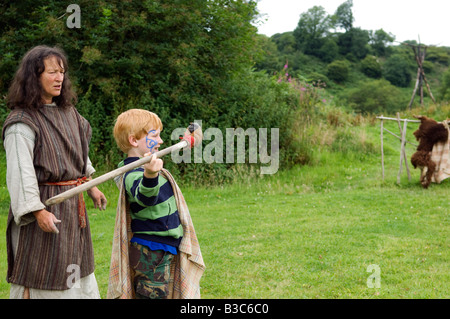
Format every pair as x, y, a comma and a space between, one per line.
157, 230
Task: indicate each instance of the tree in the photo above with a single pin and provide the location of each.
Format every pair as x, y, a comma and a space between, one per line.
343, 17
285, 42
270, 60
379, 41
328, 51
311, 30
354, 42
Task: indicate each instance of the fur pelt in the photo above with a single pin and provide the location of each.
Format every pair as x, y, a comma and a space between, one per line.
429, 133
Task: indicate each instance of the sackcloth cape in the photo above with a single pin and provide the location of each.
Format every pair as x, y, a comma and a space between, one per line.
186, 268
440, 156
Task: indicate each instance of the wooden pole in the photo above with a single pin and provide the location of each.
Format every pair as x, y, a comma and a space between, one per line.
428, 87
421, 89
395, 135
382, 152
110, 175
397, 119
404, 150
415, 89
419, 55
419, 62
401, 150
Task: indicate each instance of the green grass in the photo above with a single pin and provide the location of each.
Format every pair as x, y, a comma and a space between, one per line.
318, 245
311, 231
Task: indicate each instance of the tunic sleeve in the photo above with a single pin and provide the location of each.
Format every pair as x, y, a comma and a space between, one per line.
90, 170
20, 174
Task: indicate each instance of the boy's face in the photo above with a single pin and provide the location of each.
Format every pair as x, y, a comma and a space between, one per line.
150, 142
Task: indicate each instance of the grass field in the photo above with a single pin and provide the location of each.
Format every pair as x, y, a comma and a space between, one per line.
309, 232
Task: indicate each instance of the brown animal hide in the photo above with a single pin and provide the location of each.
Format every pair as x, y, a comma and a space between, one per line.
429, 133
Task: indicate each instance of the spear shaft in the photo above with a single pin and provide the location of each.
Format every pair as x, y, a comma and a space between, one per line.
110, 175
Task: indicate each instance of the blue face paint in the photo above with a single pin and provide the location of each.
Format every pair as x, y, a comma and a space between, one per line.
151, 143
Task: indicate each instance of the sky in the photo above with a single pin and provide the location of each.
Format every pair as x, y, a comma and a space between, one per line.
405, 19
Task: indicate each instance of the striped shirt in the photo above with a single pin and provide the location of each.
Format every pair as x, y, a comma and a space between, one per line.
155, 222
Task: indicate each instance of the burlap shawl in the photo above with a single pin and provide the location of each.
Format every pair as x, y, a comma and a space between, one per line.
187, 267
440, 156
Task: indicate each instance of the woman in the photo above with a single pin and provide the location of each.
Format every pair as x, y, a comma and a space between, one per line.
50, 252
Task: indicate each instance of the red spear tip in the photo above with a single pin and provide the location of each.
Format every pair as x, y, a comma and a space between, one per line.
190, 139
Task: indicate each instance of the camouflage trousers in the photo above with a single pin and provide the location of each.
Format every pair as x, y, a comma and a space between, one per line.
152, 272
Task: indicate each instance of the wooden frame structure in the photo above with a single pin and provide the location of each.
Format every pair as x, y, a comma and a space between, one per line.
402, 139
419, 52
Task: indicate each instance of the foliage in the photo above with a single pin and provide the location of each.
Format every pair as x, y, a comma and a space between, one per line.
285, 42
379, 41
318, 78
371, 67
354, 43
338, 70
184, 60
376, 96
343, 17
396, 70
444, 92
311, 30
253, 101
438, 55
188, 60
328, 51
270, 60
320, 42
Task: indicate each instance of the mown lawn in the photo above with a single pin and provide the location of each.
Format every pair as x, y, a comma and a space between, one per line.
310, 232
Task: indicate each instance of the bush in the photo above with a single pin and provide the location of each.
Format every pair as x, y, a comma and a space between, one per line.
338, 71
444, 92
315, 77
376, 96
371, 67
397, 71
438, 55
328, 51
249, 100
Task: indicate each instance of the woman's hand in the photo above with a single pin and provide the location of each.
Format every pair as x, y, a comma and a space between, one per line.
98, 198
47, 221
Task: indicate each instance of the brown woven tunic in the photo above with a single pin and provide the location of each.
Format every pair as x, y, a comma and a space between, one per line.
60, 154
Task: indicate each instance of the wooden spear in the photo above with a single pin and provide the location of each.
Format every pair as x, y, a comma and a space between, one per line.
192, 137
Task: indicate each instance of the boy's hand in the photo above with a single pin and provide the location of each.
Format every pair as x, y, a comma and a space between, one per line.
152, 168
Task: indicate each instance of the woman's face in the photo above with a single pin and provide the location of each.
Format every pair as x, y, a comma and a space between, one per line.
51, 79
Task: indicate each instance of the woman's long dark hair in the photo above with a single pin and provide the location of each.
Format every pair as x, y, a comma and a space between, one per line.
26, 90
